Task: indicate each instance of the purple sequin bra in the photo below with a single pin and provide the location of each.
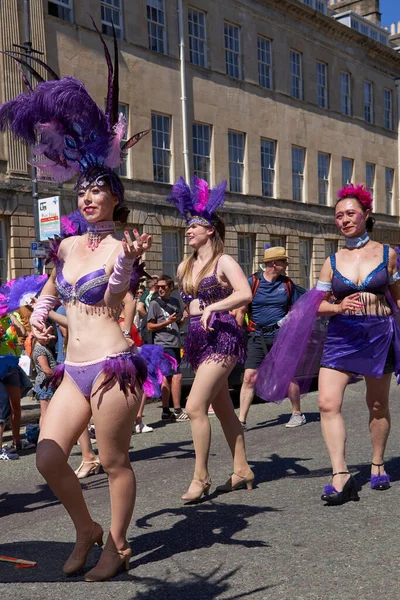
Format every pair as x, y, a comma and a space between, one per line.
210, 290
89, 289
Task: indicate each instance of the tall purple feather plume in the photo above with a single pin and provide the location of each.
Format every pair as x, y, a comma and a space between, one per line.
181, 197
217, 197
22, 290
138, 272
197, 200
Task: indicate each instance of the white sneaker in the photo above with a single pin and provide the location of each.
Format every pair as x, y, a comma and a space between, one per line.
211, 411
296, 420
142, 428
7, 455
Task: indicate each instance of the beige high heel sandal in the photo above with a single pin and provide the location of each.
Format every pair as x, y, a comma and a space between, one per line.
99, 573
83, 546
204, 488
229, 486
93, 470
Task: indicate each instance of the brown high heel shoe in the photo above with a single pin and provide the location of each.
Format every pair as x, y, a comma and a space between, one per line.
83, 546
203, 488
229, 486
121, 561
82, 472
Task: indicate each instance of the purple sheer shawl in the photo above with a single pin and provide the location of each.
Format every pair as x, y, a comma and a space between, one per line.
296, 351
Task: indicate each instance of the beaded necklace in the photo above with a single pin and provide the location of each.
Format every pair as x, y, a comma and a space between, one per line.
96, 230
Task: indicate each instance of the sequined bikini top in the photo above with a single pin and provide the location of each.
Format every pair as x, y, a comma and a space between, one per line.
89, 289
210, 290
376, 282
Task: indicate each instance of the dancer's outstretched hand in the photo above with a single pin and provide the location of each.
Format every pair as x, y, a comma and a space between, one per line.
138, 246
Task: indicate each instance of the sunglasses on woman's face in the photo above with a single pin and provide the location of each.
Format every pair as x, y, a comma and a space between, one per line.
161, 287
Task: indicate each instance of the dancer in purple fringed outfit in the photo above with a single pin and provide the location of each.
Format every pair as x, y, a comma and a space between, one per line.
211, 284
359, 291
102, 376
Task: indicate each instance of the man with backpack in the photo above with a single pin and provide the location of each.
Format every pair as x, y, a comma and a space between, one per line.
164, 321
273, 295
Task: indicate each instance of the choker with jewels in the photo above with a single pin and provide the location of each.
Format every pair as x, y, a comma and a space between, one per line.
357, 242
96, 230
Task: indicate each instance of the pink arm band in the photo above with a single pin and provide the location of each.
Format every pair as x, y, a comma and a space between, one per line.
121, 276
42, 308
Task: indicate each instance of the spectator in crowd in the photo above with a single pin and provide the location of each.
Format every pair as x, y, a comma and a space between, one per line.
273, 295
165, 319
44, 363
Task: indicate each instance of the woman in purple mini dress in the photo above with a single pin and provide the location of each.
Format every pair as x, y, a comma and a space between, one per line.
362, 292
211, 284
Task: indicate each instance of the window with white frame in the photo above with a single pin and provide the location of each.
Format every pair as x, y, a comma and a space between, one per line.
298, 161
345, 93
389, 178
370, 177
172, 250
3, 252
236, 160
201, 150
277, 240
156, 26
268, 154
347, 171
322, 84
264, 62
111, 13
197, 37
62, 9
161, 141
368, 102
296, 74
232, 50
331, 247
388, 109
305, 256
324, 161
123, 169
246, 252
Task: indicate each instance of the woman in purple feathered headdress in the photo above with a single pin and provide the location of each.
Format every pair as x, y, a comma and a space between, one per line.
212, 284
359, 290
103, 374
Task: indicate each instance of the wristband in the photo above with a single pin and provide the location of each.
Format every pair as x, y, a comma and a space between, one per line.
120, 277
42, 308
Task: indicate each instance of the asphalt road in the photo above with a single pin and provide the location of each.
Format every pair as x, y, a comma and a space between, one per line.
276, 542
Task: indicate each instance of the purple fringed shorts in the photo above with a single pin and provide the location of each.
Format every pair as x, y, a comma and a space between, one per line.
225, 343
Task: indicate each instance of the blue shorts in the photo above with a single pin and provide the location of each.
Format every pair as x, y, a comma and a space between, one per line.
42, 393
10, 379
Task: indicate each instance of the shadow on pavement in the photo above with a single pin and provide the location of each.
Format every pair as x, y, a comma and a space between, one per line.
28, 501
278, 467
195, 527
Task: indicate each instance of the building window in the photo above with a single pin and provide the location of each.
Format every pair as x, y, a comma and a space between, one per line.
232, 50
324, 161
156, 26
330, 247
347, 171
264, 62
345, 90
197, 37
322, 84
161, 139
298, 160
111, 12
296, 73
305, 252
62, 9
370, 177
389, 178
268, 153
123, 169
388, 108
368, 102
246, 253
277, 240
201, 150
172, 243
236, 161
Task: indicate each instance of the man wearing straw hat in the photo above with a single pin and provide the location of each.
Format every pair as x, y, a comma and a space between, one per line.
273, 295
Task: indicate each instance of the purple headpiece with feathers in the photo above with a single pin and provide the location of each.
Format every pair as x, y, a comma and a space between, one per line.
197, 203
19, 292
70, 134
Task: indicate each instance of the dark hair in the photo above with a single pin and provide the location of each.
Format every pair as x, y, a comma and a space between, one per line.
370, 222
219, 227
168, 280
114, 184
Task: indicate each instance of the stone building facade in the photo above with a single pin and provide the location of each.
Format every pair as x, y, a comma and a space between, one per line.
283, 101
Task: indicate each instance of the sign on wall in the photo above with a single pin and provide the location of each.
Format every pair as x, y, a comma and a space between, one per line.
49, 217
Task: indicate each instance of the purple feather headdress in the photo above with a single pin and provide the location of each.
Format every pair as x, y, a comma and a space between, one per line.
198, 203
19, 292
71, 136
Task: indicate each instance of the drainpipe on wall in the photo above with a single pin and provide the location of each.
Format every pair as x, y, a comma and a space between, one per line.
183, 92
397, 82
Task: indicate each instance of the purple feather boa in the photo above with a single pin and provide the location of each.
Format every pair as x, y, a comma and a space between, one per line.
127, 369
158, 366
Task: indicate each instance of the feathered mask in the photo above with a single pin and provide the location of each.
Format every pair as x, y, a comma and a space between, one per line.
356, 191
71, 136
198, 203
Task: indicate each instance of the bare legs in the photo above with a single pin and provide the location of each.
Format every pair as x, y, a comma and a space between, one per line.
171, 386
14, 393
332, 385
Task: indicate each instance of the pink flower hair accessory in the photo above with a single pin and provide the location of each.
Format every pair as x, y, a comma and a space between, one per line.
356, 191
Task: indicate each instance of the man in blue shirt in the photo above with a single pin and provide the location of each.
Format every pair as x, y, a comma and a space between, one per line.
273, 295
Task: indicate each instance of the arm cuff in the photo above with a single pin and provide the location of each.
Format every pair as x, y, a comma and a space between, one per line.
324, 286
394, 278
